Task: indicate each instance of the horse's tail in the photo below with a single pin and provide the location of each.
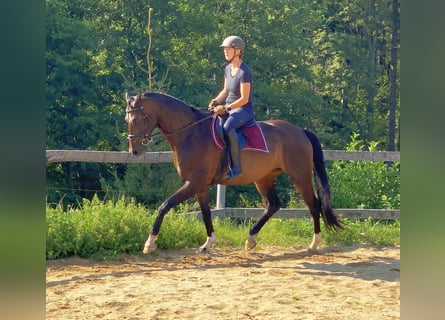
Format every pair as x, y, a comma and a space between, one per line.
322, 184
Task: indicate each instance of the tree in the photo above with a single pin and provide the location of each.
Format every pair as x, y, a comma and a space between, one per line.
330, 66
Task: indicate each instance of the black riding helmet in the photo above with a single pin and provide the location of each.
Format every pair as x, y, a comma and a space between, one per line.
234, 42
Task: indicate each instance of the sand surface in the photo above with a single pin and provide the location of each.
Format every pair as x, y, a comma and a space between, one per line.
352, 282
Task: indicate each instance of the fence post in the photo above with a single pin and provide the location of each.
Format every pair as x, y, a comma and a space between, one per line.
220, 196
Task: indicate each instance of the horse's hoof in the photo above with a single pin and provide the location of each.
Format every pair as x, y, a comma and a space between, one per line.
150, 248
316, 240
250, 243
208, 246
312, 251
203, 249
150, 244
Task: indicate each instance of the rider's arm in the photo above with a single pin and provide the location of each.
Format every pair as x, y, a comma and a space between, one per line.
244, 91
220, 98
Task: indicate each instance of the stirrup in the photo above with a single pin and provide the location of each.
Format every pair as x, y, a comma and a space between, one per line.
233, 173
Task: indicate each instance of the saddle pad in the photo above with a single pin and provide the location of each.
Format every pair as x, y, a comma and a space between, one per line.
250, 138
254, 139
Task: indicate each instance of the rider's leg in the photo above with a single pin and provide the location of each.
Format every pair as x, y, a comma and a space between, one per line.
236, 119
235, 166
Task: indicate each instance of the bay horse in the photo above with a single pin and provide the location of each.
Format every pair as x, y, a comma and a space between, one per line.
199, 162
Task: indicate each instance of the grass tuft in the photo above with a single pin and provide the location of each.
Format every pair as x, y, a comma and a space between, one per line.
101, 229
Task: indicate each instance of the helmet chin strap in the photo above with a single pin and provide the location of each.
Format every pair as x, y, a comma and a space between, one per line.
234, 56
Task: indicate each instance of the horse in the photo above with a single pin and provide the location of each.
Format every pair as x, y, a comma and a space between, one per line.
201, 163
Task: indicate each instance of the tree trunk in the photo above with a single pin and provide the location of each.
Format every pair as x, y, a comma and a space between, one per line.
393, 75
371, 86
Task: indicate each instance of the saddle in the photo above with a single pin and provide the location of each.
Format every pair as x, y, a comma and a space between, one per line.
250, 136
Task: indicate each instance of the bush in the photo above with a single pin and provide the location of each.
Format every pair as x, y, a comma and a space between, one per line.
365, 184
97, 228
106, 229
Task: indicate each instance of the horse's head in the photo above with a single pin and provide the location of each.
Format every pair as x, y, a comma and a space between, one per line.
140, 126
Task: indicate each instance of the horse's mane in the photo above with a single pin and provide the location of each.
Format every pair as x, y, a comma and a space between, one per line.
174, 102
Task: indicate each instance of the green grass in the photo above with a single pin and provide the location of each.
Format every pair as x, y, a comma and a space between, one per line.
102, 229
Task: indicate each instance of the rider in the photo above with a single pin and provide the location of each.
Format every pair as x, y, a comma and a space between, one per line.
234, 102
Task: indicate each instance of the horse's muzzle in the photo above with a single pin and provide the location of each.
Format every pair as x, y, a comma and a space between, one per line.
136, 152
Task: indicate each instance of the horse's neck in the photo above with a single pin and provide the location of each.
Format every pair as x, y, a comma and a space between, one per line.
171, 121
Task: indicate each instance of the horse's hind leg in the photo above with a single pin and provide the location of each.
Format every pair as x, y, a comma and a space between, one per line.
267, 191
304, 186
203, 199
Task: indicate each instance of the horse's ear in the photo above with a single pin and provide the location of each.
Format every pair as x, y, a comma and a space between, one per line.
127, 96
139, 97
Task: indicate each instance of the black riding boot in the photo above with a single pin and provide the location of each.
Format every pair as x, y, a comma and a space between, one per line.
235, 162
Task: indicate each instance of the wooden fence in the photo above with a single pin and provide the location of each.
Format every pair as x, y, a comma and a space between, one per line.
166, 156
221, 210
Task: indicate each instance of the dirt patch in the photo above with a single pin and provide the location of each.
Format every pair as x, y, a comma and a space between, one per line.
357, 282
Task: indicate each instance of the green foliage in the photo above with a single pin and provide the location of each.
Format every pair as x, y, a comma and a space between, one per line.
149, 184
96, 228
102, 229
60, 233
231, 232
368, 231
286, 232
181, 229
365, 184
330, 76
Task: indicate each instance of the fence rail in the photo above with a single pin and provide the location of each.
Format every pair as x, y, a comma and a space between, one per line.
379, 214
221, 210
167, 156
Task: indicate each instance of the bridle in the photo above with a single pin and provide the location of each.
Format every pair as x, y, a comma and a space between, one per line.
146, 138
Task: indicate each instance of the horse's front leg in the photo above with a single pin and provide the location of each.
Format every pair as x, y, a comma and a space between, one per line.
203, 199
273, 204
185, 192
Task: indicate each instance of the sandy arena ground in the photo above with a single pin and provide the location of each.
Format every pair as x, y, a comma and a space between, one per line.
357, 282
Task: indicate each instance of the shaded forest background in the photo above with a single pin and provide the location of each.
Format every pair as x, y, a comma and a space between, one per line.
330, 66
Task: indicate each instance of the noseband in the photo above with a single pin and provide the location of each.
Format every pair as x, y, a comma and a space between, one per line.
146, 138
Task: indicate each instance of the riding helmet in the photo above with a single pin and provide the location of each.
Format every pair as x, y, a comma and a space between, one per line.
234, 42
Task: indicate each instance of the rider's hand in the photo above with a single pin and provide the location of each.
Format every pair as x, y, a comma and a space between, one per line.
221, 110
212, 105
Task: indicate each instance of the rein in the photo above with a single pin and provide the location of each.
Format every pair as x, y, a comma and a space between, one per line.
147, 137
189, 126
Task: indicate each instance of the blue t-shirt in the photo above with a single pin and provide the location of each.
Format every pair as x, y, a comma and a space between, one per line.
244, 74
